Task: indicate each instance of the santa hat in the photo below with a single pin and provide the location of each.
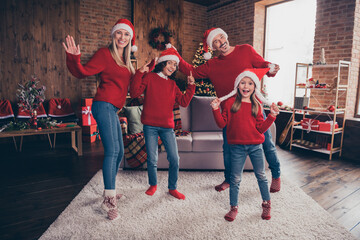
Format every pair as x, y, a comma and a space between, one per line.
208, 39
125, 24
60, 107
169, 54
255, 74
22, 113
5, 109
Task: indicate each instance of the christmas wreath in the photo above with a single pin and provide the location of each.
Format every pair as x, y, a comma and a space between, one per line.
159, 37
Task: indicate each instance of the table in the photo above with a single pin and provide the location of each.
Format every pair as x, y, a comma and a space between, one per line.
76, 145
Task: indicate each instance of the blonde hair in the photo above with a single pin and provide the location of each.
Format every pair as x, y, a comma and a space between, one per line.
255, 104
127, 53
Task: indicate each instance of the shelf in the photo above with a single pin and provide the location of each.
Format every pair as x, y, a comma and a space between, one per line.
338, 111
337, 130
321, 150
341, 88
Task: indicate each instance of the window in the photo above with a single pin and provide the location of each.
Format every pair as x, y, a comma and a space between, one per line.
289, 38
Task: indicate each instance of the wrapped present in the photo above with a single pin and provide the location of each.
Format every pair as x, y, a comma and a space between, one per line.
90, 133
310, 124
87, 116
123, 124
327, 126
86, 102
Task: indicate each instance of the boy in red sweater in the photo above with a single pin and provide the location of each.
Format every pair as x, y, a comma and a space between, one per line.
242, 115
161, 93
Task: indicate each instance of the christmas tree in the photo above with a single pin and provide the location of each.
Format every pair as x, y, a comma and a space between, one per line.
203, 86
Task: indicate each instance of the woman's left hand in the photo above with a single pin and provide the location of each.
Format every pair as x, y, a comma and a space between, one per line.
191, 79
274, 110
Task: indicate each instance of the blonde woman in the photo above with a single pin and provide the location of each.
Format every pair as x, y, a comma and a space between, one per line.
114, 66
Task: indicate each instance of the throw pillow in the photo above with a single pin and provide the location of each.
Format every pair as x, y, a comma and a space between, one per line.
202, 119
133, 115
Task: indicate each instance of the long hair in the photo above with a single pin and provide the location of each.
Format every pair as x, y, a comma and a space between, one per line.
127, 53
255, 104
160, 67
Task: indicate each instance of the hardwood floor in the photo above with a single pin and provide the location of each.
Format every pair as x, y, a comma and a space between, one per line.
37, 184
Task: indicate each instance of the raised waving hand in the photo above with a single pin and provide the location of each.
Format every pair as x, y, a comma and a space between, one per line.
70, 46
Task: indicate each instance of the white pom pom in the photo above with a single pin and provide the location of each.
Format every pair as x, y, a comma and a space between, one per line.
134, 48
207, 55
168, 45
272, 68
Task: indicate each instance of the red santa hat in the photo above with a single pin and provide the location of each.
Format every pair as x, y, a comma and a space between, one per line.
169, 54
5, 109
256, 74
40, 111
125, 24
60, 107
208, 39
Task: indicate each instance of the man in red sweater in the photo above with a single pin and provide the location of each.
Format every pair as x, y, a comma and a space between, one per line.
222, 72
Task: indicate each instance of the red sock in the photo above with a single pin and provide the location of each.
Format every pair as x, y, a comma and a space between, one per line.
266, 206
176, 194
231, 215
221, 187
151, 190
275, 185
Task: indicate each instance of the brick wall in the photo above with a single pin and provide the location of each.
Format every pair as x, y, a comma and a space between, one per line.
195, 24
335, 33
96, 20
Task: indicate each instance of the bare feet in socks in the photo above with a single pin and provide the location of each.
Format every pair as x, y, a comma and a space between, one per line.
222, 186
151, 190
177, 194
275, 185
231, 215
266, 206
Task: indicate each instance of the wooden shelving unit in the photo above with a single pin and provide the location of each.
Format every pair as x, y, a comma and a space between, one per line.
321, 110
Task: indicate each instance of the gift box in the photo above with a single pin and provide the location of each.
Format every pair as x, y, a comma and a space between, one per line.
327, 126
87, 116
86, 102
90, 133
310, 124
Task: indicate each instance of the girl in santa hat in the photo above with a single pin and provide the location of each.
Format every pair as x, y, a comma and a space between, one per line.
242, 115
161, 93
113, 65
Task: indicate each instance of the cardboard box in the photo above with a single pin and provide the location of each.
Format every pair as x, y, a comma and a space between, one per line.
90, 133
87, 116
327, 126
312, 123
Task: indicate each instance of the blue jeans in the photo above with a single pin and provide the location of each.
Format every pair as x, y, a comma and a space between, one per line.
167, 136
111, 138
269, 151
238, 157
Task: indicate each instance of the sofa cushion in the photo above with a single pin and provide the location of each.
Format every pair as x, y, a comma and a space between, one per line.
184, 143
202, 118
207, 141
133, 115
185, 118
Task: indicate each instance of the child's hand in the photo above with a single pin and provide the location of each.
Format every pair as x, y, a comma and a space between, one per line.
274, 110
191, 79
215, 103
145, 68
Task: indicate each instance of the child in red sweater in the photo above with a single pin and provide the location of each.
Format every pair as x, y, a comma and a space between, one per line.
242, 115
161, 93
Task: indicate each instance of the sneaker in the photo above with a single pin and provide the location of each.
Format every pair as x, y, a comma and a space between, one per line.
266, 206
231, 215
275, 185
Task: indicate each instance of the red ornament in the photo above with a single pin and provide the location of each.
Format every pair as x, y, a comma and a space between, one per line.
331, 108
279, 103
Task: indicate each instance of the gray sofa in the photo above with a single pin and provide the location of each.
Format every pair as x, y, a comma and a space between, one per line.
202, 149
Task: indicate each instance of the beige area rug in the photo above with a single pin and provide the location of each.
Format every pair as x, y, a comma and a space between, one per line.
201, 216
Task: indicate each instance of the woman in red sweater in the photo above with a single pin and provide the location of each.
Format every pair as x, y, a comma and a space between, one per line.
161, 93
245, 127
114, 66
